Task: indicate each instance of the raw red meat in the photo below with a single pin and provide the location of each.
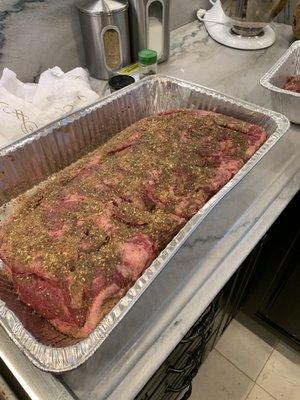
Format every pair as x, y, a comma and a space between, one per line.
74, 247
293, 84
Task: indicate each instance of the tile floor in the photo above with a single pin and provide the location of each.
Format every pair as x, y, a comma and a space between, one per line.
249, 363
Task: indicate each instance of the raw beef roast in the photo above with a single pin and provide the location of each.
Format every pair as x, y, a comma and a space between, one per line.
293, 84
74, 247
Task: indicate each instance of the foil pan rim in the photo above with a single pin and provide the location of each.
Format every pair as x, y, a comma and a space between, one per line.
60, 360
265, 80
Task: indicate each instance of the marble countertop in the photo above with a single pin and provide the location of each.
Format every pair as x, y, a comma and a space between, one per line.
210, 256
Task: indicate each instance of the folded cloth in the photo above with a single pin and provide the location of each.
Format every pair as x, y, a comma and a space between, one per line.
26, 107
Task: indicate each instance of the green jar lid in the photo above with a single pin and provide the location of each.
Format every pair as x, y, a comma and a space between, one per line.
147, 57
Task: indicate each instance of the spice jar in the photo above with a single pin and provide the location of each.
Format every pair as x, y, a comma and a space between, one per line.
147, 62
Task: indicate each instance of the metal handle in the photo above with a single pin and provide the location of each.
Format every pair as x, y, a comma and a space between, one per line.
181, 388
191, 364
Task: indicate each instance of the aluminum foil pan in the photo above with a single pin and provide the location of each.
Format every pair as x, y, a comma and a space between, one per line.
32, 159
284, 101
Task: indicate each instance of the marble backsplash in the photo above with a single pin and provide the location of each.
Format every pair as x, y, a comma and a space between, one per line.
38, 34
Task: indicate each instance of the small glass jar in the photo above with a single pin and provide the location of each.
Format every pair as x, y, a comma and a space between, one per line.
147, 63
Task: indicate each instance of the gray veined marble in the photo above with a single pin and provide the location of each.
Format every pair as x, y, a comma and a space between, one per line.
39, 34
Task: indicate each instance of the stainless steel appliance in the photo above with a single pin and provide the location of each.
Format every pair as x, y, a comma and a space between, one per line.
249, 17
150, 27
105, 31
242, 24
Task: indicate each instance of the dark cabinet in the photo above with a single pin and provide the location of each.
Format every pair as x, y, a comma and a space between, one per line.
173, 379
282, 308
274, 293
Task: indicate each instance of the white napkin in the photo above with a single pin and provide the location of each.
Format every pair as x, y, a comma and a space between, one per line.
26, 107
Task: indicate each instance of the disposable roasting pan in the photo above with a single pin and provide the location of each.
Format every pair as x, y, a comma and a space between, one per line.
32, 159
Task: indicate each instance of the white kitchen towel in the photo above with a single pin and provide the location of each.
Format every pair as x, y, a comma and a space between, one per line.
26, 107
